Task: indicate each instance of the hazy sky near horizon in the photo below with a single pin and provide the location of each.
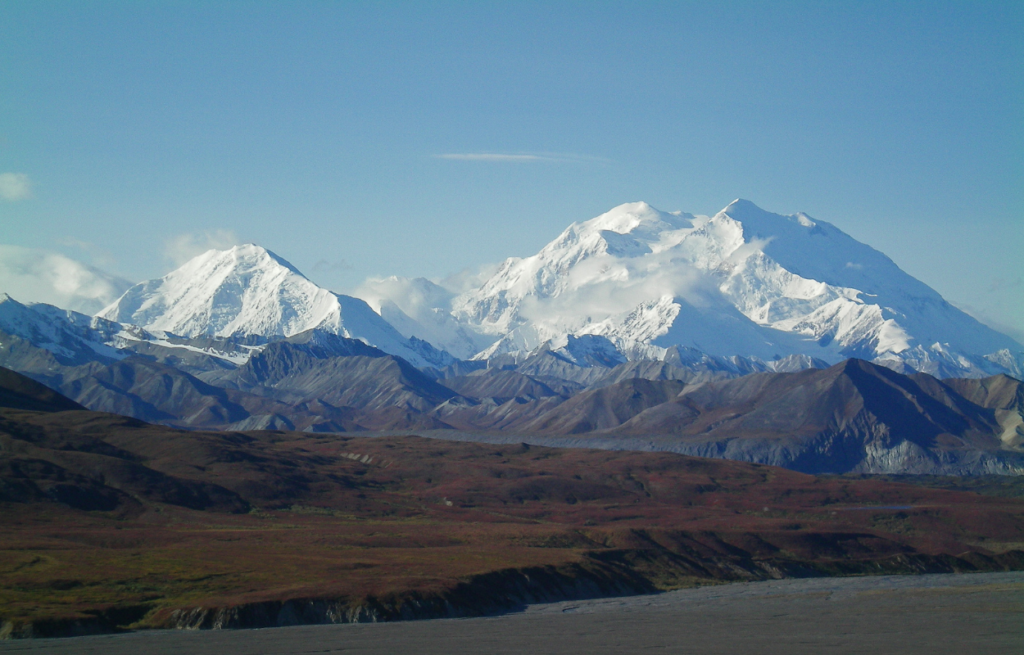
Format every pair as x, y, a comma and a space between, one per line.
362, 139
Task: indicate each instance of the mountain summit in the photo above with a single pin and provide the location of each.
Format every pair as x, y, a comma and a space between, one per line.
742, 282
248, 291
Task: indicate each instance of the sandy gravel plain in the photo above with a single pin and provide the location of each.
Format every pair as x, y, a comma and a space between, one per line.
928, 614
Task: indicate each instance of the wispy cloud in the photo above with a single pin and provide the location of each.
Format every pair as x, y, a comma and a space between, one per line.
15, 186
469, 278
324, 266
30, 275
184, 247
99, 256
519, 158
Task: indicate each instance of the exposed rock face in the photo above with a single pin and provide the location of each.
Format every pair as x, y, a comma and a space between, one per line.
482, 595
368, 380
852, 417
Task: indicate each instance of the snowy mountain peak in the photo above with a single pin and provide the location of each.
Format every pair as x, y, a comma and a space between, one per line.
744, 282
740, 208
250, 252
240, 261
764, 224
245, 290
250, 291
637, 218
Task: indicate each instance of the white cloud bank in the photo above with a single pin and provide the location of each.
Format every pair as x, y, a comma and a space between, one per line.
15, 186
181, 248
420, 308
30, 275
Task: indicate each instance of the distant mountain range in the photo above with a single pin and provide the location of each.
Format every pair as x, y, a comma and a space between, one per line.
630, 284
748, 335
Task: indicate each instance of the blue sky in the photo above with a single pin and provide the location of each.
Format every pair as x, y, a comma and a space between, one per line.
134, 132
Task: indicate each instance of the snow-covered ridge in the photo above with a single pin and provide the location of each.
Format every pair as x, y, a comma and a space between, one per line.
73, 337
248, 291
76, 338
420, 308
742, 282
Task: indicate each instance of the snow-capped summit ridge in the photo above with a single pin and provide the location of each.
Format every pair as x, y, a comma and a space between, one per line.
253, 251
637, 218
744, 281
245, 290
249, 291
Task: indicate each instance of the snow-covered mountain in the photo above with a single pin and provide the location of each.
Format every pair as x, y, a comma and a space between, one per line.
72, 337
742, 282
248, 291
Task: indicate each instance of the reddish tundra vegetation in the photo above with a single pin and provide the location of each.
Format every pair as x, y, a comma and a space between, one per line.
110, 523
